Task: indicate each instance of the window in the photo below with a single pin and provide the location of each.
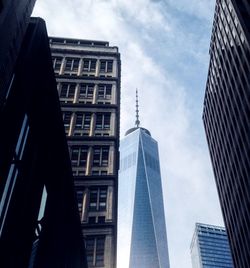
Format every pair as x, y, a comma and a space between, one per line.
101, 155
92, 220
101, 219
17, 156
79, 156
104, 91
57, 61
87, 121
79, 201
66, 118
106, 66
95, 250
67, 90
86, 91
102, 121
72, 64
83, 120
79, 121
89, 65
97, 199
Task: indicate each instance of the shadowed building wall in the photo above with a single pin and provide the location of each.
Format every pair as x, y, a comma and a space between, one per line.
14, 20
39, 220
226, 117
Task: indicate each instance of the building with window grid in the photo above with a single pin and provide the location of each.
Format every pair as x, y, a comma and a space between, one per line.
226, 118
210, 247
88, 81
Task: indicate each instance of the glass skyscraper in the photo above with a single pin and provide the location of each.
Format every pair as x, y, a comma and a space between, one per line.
142, 238
210, 247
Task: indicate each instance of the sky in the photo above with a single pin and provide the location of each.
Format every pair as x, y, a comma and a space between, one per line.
164, 46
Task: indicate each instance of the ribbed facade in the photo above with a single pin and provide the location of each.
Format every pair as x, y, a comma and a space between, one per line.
226, 118
210, 247
88, 82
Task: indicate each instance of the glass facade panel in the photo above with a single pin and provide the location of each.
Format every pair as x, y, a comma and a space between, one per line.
142, 238
210, 247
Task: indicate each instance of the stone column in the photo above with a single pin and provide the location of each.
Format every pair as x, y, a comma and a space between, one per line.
89, 161
114, 73
109, 251
77, 91
95, 94
62, 65
80, 67
109, 215
114, 94
112, 124
72, 124
97, 68
84, 216
111, 159
92, 125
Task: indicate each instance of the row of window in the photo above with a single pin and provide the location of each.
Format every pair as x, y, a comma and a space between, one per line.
85, 93
68, 90
95, 202
81, 123
97, 199
89, 65
79, 155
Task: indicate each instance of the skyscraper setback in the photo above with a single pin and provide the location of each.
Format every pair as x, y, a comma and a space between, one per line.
226, 118
88, 80
142, 238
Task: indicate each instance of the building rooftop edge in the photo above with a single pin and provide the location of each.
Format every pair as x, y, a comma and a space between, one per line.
135, 128
198, 224
209, 225
76, 41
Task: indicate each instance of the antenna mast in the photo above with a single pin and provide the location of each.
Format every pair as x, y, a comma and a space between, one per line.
137, 121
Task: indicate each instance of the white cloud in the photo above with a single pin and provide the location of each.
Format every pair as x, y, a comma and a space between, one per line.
152, 39
197, 8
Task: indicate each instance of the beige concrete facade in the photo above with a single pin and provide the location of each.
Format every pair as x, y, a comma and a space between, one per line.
88, 82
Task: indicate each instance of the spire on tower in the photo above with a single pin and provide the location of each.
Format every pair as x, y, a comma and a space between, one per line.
137, 121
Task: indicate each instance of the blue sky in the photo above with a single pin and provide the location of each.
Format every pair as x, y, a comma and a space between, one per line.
164, 50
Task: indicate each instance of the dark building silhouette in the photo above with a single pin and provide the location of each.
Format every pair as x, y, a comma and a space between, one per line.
39, 219
14, 19
88, 81
226, 118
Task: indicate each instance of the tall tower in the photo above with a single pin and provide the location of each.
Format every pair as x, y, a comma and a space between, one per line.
210, 247
142, 238
88, 81
226, 117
